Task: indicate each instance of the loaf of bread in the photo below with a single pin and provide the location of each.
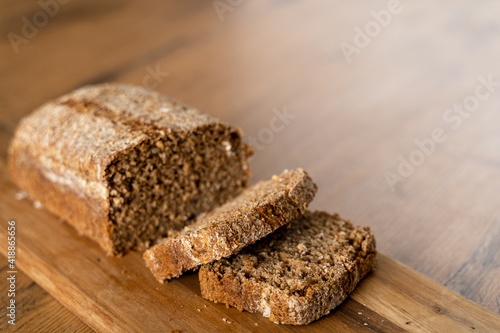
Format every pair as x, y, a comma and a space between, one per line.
124, 165
257, 211
297, 274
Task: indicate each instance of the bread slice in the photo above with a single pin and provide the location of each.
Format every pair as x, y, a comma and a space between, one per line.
125, 164
255, 213
297, 274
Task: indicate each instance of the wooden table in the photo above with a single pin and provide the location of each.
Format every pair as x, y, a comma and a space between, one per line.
387, 105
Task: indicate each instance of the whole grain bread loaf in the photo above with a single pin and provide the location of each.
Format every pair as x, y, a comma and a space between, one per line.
297, 274
257, 211
124, 165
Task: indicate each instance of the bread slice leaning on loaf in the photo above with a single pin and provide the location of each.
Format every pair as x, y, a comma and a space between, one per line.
124, 165
297, 274
257, 211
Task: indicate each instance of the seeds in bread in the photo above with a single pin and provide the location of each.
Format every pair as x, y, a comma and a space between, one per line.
297, 274
124, 165
258, 211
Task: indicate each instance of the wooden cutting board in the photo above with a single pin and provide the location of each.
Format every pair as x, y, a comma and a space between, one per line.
120, 294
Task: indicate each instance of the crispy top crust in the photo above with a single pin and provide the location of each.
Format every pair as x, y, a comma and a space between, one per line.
75, 137
139, 106
255, 213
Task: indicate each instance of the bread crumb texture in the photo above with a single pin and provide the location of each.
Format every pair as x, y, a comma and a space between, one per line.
256, 212
297, 274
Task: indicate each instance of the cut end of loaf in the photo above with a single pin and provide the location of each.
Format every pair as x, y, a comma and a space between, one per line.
296, 275
169, 179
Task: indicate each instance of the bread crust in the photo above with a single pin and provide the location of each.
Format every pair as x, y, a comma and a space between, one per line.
255, 213
88, 216
61, 153
225, 282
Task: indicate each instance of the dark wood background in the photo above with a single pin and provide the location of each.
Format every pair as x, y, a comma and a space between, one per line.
352, 118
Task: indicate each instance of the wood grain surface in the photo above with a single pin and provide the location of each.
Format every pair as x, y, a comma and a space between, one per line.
37, 310
121, 295
351, 121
